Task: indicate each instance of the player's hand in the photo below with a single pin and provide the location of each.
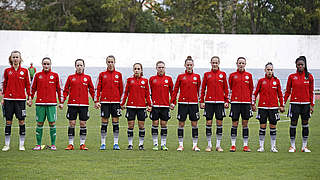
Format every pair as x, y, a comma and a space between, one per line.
2, 101
172, 106
61, 106
149, 108
311, 109
29, 102
226, 105
202, 105
97, 105
123, 107
282, 109
254, 108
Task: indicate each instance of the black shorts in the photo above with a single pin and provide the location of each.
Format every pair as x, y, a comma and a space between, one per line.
17, 107
141, 114
73, 111
265, 114
214, 108
162, 113
299, 109
110, 108
191, 109
242, 109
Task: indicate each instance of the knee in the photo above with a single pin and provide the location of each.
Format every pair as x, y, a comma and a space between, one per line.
21, 122
305, 122
82, 123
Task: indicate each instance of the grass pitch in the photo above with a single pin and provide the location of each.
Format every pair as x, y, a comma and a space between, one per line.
148, 164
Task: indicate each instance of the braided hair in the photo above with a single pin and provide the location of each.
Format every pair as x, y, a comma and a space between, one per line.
303, 58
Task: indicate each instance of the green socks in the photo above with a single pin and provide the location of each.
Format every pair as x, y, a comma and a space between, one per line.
39, 131
53, 134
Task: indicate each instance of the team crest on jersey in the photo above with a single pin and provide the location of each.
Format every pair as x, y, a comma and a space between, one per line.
132, 81
116, 76
85, 79
236, 77
40, 77
221, 76
142, 82
295, 77
274, 83
73, 79
194, 78
21, 72
247, 77
184, 78
209, 76
166, 81
10, 72
51, 77
264, 82
154, 81
105, 76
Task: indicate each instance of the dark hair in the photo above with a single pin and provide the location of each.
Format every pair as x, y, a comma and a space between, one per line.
45, 59
303, 58
111, 56
14, 51
140, 66
215, 57
75, 63
189, 58
270, 63
241, 58
160, 62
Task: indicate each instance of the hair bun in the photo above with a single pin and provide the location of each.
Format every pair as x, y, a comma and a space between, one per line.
189, 57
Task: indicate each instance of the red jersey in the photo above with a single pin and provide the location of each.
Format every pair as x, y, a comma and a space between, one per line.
137, 92
300, 88
109, 87
189, 85
161, 88
269, 90
77, 87
16, 83
214, 87
241, 87
47, 86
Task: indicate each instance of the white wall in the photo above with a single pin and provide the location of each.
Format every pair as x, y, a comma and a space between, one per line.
64, 47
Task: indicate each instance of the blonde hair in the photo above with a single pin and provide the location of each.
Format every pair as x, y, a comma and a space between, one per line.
15, 51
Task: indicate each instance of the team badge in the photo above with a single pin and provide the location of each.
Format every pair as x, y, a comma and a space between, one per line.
221, 76
105, 76
132, 81
73, 79
51, 77
274, 83
295, 77
21, 72
184, 78
10, 72
194, 78
235, 77
154, 81
209, 76
166, 81
40, 77
264, 82
142, 82
85, 79
247, 77
116, 76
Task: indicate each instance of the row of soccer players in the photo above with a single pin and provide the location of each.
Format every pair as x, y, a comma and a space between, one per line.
137, 100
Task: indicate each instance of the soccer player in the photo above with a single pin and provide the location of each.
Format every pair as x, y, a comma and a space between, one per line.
161, 87
47, 85
189, 85
214, 98
15, 85
109, 90
77, 87
32, 70
300, 86
138, 94
269, 90
241, 89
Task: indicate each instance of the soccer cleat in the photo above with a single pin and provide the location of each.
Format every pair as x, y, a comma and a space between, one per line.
53, 148
274, 150
196, 148
155, 148
180, 148
83, 147
246, 149
37, 148
69, 147
208, 149
164, 148
219, 149
43, 147
21, 148
233, 149
305, 150
130, 147
116, 147
141, 148
261, 149
292, 149
103, 147
6, 148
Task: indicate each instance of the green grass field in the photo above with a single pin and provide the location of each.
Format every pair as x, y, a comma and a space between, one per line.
123, 164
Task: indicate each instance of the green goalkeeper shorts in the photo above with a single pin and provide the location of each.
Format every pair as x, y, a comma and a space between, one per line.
43, 112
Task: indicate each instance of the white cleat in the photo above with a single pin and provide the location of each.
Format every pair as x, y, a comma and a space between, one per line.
305, 150
261, 149
21, 148
196, 148
292, 149
5, 148
180, 148
274, 150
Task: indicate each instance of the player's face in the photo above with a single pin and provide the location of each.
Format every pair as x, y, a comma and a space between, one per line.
215, 64
189, 66
110, 63
137, 70
15, 59
79, 67
300, 66
269, 71
241, 64
46, 65
161, 69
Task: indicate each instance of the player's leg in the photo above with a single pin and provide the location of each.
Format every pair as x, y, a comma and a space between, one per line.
208, 113
71, 116
154, 116
105, 114
40, 118
293, 113
305, 127
20, 112
130, 115
9, 111
141, 115
116, 113
51, 112
262, 117
246, 113
164, 118
194, 116
182, 116
234, 114
220, 114
83, 117
274, 117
